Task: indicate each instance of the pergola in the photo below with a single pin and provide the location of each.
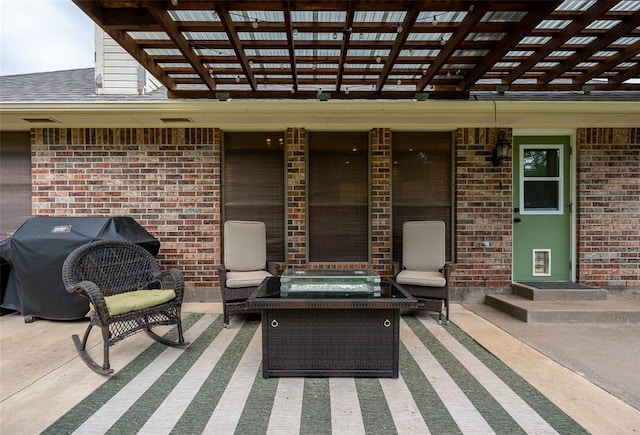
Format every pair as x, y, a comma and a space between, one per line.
368, 49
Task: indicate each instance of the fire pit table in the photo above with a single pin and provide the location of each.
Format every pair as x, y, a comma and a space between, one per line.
329, 322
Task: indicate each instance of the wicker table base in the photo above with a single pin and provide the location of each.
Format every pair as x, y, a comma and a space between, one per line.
354, 337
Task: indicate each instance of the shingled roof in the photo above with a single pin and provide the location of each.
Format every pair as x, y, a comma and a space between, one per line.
76, 85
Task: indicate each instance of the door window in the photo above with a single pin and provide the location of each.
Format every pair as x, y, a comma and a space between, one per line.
541, 180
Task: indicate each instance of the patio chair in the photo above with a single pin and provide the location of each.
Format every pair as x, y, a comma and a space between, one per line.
127, 292
423, 272
245, 265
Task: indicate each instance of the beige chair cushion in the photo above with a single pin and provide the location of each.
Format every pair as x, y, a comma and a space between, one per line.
426, 279
245, 246
136, 300
423, 245
246, 279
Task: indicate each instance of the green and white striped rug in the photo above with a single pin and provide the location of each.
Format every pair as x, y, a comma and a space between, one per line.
448, 384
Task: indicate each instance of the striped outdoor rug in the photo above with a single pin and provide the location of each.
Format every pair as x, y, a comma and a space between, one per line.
448, 384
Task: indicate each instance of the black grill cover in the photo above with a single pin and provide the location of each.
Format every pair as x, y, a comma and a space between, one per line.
36, 252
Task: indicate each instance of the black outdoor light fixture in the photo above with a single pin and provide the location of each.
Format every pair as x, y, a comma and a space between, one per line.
500, 149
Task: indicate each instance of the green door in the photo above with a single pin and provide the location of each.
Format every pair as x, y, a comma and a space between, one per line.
542, 208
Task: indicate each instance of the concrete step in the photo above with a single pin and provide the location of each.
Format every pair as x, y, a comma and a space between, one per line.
559, 291
615, 309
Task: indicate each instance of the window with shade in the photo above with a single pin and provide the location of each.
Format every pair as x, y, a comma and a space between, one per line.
15, 180
253, 184
338, 196
421, 183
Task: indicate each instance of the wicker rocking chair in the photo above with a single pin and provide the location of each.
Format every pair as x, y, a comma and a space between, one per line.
127, 291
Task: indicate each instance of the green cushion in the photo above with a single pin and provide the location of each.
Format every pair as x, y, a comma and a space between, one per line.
137, 300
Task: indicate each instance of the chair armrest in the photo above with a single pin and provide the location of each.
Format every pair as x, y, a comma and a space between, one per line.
397, 268
276, 268
173, 279
92, 292
447, 271
222, 276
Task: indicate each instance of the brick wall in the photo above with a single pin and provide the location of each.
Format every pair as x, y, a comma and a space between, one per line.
169, 181
381, 229
609, 207
296, 197
166, 179
483, 211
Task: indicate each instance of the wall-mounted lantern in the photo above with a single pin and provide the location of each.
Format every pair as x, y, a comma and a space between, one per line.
500, 149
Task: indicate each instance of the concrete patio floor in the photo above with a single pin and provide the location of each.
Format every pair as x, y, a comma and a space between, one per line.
589, 371
607, 354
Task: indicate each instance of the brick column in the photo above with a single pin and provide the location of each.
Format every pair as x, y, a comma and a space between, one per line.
381, 200
296, 197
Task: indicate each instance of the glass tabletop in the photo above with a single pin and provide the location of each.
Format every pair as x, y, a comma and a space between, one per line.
330, 283
271, 288
304, 274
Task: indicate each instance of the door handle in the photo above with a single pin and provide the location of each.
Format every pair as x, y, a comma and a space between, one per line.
516, 220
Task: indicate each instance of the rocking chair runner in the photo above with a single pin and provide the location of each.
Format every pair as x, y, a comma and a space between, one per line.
127, 291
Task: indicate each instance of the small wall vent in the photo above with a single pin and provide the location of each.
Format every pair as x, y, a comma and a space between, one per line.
176, 120
41, 120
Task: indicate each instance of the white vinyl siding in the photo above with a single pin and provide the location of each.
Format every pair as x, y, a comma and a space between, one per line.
117, 73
